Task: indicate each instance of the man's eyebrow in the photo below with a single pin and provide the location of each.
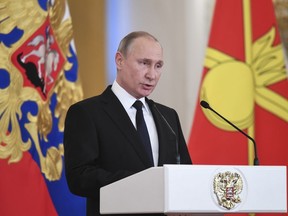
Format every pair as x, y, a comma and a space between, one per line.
161, 62
147, 59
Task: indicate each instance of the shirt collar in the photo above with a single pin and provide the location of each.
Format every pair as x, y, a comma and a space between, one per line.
125, 98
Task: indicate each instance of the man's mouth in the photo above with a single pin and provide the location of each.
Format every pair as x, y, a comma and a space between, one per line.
147, 86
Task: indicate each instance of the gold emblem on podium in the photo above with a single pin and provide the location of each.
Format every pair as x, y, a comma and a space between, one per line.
227, 188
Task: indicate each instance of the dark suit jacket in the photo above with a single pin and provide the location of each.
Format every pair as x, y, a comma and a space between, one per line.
102, 146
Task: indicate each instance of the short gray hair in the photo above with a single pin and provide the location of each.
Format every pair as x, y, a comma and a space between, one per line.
128, 39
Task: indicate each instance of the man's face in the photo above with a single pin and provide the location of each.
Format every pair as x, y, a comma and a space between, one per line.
140, 71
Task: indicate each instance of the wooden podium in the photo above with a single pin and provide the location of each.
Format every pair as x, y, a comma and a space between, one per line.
198, 189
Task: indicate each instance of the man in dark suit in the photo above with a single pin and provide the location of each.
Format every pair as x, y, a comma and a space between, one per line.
101, 141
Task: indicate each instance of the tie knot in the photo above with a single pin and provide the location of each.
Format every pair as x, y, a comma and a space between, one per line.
138, 105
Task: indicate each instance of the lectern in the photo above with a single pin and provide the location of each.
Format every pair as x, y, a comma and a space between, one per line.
198, 189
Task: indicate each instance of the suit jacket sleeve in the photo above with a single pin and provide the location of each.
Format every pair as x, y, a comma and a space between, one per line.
84, 172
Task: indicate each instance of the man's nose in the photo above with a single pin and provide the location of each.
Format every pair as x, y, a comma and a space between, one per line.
151, 74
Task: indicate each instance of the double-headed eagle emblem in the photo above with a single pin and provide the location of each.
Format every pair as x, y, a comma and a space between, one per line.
38, 81
227, 188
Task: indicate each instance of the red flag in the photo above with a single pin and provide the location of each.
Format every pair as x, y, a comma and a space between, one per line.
245, 80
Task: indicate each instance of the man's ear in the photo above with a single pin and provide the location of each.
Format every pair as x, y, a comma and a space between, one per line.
119, 60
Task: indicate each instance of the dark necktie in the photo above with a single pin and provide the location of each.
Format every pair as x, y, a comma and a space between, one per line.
142, 128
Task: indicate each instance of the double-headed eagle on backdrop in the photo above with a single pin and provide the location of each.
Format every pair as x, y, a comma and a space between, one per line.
38, 81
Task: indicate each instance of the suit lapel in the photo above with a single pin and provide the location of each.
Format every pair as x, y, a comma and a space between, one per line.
119, 116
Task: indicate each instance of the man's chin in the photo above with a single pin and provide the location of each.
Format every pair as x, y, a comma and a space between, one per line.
147, 92
144, 94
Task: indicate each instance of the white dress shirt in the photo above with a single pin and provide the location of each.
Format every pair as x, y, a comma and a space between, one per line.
127, 102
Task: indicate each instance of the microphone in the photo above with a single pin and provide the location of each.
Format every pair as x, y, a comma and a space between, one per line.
207, 106
178, 159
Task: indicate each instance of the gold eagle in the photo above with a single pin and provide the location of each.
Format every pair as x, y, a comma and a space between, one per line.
29, 16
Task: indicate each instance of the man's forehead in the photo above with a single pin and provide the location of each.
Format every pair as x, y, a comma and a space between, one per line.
148, 48
145, 43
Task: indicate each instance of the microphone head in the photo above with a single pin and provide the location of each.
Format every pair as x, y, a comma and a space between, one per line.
204, 104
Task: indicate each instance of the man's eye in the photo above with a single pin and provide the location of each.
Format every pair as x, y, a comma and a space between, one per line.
144, 62
159, 65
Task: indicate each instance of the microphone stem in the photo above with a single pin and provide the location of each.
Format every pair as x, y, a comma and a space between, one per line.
178, 157
256, 161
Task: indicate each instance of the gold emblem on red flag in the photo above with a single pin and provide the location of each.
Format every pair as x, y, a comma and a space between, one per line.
244, 83
227, 187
